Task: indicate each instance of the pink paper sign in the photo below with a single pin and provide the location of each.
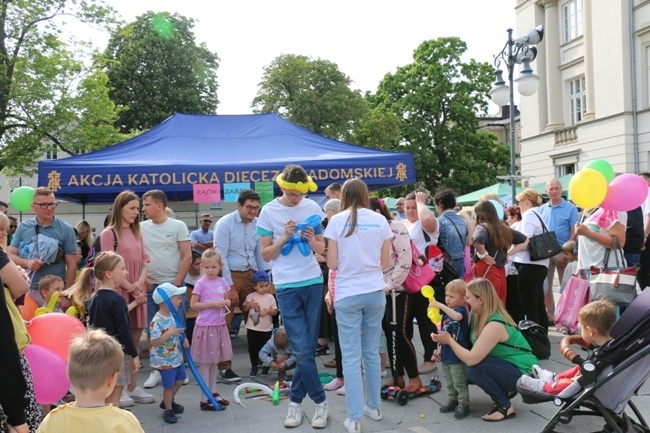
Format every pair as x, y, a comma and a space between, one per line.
207, 193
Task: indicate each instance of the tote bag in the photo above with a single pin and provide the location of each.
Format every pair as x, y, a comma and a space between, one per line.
420, 274
616, 285
544, 245
574, 297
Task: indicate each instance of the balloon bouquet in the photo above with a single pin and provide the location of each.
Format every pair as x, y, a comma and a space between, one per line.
596, 185
47, 354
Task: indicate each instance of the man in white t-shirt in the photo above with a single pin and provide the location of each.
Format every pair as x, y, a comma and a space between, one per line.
167, 242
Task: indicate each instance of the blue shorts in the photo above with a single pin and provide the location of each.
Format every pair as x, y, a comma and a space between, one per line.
173, 375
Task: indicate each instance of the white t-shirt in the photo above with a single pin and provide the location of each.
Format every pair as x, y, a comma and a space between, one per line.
161, 243
530, 225
358, 269
417, 236
294, 267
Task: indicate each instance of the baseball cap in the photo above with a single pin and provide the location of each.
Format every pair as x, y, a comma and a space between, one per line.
261, 276
169, 289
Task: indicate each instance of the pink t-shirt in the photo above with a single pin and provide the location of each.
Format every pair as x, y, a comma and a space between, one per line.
255, 321
211, 291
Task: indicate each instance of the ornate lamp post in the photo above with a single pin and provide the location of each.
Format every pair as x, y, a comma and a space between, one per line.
520, 50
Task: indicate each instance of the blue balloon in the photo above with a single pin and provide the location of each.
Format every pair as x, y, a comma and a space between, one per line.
499, 207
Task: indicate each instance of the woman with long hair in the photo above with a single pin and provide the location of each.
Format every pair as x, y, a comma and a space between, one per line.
531, 274
492, 240
123, 236
298, 281
498, 356
359, 249
394, 276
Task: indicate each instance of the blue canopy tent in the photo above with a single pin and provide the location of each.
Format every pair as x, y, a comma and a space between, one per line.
218, 149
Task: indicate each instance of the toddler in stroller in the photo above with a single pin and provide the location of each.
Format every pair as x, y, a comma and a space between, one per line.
608, 379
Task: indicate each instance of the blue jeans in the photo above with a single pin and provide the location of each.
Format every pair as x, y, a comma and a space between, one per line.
460, 267
494, 376
300, 307
152, 307
359, 318
632, 259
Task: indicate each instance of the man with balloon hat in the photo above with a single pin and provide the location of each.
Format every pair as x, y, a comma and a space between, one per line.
64, 262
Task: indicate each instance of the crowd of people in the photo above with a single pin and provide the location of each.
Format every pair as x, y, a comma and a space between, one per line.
336, 272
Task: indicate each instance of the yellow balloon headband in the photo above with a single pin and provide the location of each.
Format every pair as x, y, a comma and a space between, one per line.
303, 187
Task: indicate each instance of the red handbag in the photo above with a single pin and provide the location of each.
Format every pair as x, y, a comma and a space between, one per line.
420, 273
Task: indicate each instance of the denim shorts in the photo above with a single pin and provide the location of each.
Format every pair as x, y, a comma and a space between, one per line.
172, 375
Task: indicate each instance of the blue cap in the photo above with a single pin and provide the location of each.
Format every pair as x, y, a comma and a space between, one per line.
261, 276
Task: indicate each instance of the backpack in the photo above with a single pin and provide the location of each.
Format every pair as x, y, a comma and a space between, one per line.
96, 249
535, 335
447, 272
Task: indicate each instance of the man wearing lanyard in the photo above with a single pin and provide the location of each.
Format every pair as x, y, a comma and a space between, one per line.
239, 245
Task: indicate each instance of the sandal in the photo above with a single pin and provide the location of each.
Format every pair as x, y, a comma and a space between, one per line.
503, 411
330, 364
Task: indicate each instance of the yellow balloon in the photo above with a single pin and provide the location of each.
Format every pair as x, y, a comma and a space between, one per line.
434, 314
588, 188
427, 292
72, 311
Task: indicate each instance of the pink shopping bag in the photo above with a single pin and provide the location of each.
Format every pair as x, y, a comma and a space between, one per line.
574, 297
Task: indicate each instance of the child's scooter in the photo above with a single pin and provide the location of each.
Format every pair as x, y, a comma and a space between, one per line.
402, 395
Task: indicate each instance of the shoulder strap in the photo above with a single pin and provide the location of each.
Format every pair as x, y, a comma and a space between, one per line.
36, 229
513, 346
426, 236
462, 242
114, 240
544, 229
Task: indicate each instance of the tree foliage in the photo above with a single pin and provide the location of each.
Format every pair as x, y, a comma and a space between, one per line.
314, 94
49, 99
155, 68
438, 98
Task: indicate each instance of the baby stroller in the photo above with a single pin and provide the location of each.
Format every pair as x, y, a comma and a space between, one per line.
614, 375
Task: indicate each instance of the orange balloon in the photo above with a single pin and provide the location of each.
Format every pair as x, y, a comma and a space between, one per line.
55, 331
28, 309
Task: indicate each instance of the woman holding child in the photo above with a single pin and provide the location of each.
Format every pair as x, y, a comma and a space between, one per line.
359, 248
493, 363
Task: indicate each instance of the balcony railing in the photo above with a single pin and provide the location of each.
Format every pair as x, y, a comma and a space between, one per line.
566, 135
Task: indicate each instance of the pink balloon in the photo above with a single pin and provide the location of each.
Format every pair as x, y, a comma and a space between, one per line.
49, 374
626, 192
55, 331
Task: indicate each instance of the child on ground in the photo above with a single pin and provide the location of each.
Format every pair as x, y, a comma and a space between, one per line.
211, 340
276, 353
108, 310
596, 320
165, 351
47, 287
94, 365
455, 321
261, 306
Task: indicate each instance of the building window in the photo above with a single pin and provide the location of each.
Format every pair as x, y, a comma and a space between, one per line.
50, 154
563, 170
80, 151
572, 20
578, 99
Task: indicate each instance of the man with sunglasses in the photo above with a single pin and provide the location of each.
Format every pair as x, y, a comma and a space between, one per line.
235, 238
201, 239
13, 225
47, 224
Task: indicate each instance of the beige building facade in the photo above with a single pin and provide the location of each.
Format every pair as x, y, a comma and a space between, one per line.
593, 100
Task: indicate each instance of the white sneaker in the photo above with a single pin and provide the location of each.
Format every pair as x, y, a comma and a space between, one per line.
545, 375
125, 400
153, 380
384, 373
341, 390
352, 426
373, 414
139, 395
335, 384
186, 381
321, 414
294, 416
531, 383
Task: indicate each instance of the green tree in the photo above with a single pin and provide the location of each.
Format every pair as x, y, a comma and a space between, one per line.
438, 98
155, 68
314, 94
48, 99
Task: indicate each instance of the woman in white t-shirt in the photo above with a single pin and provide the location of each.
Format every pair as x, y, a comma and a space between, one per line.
298, 283
359, 249
422, 225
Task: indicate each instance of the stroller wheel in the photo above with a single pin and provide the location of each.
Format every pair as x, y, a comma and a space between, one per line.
565, 418
402, 397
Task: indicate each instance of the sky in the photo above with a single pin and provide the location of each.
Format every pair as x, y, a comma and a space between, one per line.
365, 39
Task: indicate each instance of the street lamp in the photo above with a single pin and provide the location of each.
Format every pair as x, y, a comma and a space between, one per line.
520, 50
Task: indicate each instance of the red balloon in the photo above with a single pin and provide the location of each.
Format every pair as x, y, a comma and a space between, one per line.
55, 331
